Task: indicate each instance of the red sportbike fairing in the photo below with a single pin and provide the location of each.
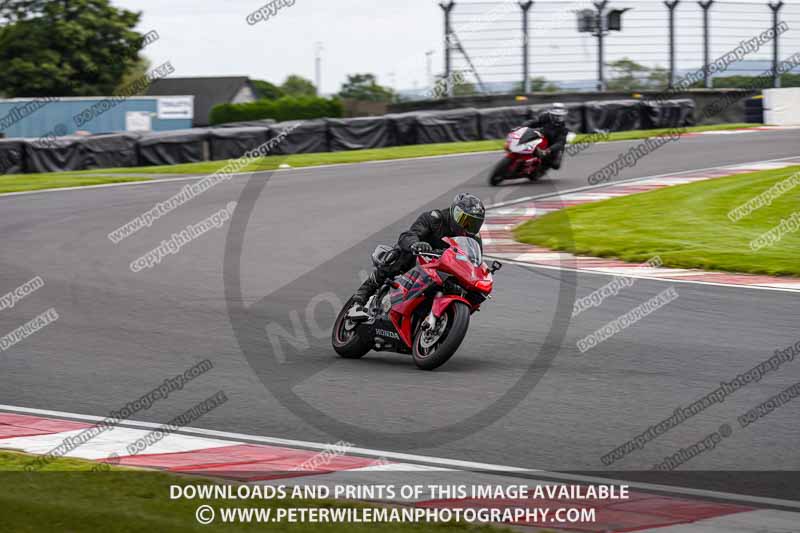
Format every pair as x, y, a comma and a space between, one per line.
520, 160
424, 312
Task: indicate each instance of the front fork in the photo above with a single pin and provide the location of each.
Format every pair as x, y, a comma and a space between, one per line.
430, 320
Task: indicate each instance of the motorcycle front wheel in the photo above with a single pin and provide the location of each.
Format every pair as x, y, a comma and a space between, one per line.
345, 338
433, 347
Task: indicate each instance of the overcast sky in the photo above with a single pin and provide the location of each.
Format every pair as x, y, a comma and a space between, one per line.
386, 37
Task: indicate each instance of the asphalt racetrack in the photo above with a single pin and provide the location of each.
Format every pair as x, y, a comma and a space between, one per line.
517, 393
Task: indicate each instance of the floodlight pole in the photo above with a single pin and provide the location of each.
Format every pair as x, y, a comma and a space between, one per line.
776, 76
526, 78
601, 81
671, 5
447, 7
706, 43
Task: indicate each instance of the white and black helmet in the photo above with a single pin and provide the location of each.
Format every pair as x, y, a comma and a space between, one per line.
557, 113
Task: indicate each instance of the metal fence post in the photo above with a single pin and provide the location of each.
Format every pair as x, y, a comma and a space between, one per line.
776, 76
447, 7
526, 78
601, 79
706, 43
671, 5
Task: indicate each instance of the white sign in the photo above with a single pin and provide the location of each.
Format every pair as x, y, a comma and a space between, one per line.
170, 107
137, 121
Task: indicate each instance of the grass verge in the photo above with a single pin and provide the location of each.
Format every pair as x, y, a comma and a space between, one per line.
52, 180
69, 495
686, 225
56, 180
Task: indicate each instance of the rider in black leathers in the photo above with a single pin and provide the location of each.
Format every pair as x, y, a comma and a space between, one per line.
551, 124
464, 218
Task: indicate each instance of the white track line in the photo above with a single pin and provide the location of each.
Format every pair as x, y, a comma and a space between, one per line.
651, 278
146, 181
157, 181
614, 183
627, 180
435, 461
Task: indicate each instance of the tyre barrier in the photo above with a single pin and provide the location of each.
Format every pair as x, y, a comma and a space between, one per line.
128, 149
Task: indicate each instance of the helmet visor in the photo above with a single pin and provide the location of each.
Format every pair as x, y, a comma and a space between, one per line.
468, 222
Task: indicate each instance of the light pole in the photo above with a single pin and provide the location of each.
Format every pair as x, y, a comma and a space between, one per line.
599, 23
429, 68
318, 48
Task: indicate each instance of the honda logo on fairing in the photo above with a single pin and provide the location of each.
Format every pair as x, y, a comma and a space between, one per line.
390, 334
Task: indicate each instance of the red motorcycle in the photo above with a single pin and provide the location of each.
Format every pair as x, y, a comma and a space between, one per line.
520, 160
424, 312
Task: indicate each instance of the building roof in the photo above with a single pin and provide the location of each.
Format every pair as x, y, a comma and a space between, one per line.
207, 92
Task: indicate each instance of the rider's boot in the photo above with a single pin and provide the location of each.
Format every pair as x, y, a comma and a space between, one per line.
362, 295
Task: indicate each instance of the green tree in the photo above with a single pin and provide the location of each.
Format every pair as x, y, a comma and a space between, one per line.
266, 90
365, 87
789, 79
658, 78
538, 84
136, 72
465, 88
298, 86
68, 48
627, 75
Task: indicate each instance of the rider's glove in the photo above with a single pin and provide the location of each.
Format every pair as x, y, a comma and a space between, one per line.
541, 152
421, 247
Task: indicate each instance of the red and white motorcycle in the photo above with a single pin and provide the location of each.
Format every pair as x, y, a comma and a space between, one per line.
520, 160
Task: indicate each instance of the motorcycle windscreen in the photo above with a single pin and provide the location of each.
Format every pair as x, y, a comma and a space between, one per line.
471, 249
529, 136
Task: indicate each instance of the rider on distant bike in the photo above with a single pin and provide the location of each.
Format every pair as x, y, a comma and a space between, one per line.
464, 218
551, 124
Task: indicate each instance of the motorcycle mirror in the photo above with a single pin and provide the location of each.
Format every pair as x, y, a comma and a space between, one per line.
496, 265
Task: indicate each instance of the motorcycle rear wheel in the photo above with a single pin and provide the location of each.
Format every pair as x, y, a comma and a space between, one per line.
499, 172
433, 349
538, 174
346, 342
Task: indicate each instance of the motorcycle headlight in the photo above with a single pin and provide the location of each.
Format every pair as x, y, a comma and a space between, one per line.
484, 286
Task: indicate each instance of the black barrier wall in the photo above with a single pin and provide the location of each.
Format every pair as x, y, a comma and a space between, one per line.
112, 150
54, 154
12, 156
174, 147
229, 143
325, 135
